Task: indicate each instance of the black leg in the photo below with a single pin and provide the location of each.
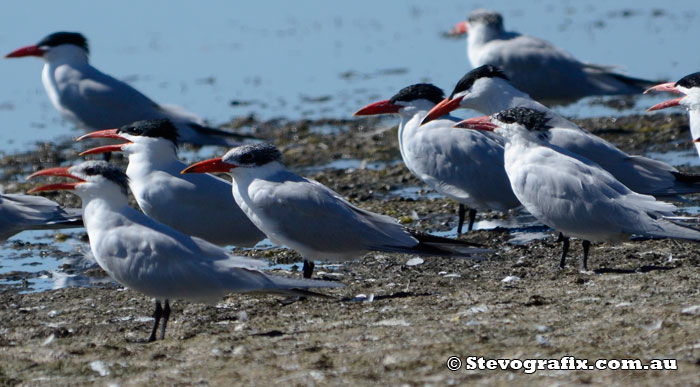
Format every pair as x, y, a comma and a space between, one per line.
472, 217
565, 249
166, 316
308, 269
156, 315
460, 213
586, 245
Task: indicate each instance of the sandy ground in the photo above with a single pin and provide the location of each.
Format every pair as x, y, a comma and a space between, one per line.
641, 300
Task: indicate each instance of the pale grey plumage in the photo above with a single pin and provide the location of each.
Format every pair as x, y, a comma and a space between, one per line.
316, 221
547, 73
152, 258
24, 212
490, 95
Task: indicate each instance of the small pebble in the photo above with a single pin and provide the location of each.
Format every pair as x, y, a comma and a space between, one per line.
414, 261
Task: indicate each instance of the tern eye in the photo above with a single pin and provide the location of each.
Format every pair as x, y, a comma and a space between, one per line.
247, 157
133, 130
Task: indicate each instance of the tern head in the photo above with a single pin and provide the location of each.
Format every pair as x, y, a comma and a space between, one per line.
469, 92
421, 96
688, 85
478, 18
94, 178
52, 45
485, 17
517, 120
243, 157
140, 136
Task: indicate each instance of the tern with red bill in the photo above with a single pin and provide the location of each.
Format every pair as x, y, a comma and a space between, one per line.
25, 212
466, 166
487, 90
310, 218
197, 205
94, 100
546, 72
689, 86
154, 259
570, 193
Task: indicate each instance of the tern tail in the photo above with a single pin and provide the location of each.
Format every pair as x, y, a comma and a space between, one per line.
670, 228
224, 135
297, 286
440, 246
639, 83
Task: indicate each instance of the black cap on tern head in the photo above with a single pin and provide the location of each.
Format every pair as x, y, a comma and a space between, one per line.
529, 118
59, 38
253, 155
485, 71
425, 91
688, 81
157, 128
106, 170
485, 16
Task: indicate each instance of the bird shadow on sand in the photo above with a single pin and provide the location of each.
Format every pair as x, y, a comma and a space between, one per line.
641, 269
388, 296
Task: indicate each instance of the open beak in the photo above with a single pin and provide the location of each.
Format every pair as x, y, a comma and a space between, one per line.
381, 107
444, 107
107, 133
666, 104
32, 50
209, 166
458, 30
478, 123
60, 171
668, 87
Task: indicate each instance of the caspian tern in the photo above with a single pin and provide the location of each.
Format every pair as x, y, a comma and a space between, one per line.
197, 205
487, 90
464, 165
24, 212
547, 73
310, 218
94, 100
570, 193
690, 87
154, 259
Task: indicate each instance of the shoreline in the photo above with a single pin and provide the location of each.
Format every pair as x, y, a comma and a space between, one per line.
641, 301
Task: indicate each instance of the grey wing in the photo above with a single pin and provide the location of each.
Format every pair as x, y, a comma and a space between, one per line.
26, 212
214, 273
307, 211
100, 102
640, 174
161, 262
527, 53
219, 218
463, 164
577, 195
540, 69
152, 258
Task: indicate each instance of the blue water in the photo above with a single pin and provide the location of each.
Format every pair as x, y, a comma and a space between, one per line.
39, 263
314, 58
687, 157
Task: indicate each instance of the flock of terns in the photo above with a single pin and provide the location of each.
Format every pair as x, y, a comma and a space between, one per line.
522, 154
